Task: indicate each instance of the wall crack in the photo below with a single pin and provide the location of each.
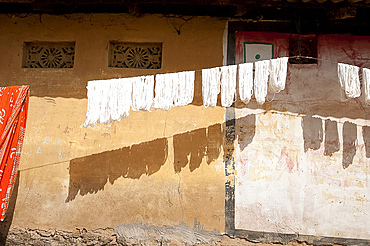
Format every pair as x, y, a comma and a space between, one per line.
180, 200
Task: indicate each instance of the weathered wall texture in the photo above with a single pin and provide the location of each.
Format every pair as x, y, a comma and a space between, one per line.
137, 170
303, 166
302, 159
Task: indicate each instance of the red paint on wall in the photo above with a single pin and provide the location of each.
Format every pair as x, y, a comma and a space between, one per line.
287, 161
349, 49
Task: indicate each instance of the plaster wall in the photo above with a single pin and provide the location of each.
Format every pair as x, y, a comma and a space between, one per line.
302, 159
126, 172
165, 167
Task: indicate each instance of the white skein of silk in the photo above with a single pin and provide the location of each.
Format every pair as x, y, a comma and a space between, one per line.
210, 86
142, 92
124, 97
261, 80
164, 91
183, 88
278, 73
245, 82
349, 80
228, 85
366, 80
108, 100
93, 102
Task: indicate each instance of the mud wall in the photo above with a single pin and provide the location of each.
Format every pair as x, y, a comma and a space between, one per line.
161, 167
302, 158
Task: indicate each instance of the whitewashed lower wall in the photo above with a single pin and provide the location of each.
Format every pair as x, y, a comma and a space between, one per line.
287, 184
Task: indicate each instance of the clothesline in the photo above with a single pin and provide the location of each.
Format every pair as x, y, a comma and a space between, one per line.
110, 100
312, 58
320, 59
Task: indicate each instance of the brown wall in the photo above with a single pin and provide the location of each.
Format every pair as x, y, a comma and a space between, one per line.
137, 170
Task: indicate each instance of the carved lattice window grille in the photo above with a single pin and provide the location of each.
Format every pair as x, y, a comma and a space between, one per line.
135, 55
48, 54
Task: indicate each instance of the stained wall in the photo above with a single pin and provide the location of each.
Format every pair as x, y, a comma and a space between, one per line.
160, 167
302, 162
165, 167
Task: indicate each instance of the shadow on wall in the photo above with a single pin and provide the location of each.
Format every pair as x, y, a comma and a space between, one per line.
89, 174
5, 225
191, 147
349, 143
366, 137
331, 138
245, 130
313, 137
312, 132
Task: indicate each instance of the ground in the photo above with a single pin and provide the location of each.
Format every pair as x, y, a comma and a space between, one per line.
22, 236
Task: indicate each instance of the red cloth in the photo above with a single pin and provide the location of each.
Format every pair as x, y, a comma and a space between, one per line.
13, 116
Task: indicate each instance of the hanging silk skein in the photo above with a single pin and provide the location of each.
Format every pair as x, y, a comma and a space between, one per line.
108, 100
142, 93
210, 86
183, 88
245, 82
278, 73
228, 85
366, 80
164, 90
261, 80
349, 80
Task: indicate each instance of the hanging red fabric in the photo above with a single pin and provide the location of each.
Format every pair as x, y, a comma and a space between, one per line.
13, 116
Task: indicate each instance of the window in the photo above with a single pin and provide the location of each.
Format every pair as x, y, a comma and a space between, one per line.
301, 47
135, 55
48, 54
